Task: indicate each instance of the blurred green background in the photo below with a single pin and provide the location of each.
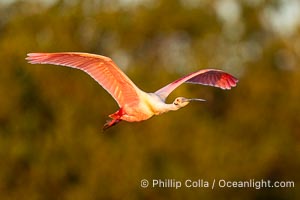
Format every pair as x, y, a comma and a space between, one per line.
51, 140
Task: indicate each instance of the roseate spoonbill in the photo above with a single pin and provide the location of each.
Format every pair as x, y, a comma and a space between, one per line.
135, 104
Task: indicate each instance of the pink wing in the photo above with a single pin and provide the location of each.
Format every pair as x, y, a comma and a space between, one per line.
212, 77
101, 68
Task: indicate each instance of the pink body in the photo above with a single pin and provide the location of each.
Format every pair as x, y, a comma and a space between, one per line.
135, 104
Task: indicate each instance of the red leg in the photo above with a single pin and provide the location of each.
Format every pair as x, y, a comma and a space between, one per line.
116, 118
118, 114
111, 123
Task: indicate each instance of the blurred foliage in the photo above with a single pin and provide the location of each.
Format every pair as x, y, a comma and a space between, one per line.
51, 143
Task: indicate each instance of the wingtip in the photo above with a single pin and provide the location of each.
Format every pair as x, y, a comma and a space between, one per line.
35, 58
33, 54
29, 57
235, 81
231, 82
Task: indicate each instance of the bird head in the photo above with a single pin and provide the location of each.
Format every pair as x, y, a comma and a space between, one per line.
180, 102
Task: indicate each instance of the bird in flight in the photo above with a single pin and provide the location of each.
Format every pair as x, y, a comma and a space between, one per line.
135, 104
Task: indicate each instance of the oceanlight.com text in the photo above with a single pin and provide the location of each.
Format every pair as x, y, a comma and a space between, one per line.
212, 184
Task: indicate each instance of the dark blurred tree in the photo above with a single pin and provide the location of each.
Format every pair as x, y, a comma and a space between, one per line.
51, 145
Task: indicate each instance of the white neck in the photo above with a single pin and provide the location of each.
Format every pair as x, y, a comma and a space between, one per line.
158, 106
172, 107
163, 108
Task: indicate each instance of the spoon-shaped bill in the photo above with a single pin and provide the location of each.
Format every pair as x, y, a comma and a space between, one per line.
194, 99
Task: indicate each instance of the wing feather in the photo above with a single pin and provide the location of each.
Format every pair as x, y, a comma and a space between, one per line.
211, 77
101, 68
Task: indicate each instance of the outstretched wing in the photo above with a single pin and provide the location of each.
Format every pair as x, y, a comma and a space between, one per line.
212, 77
101, 68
